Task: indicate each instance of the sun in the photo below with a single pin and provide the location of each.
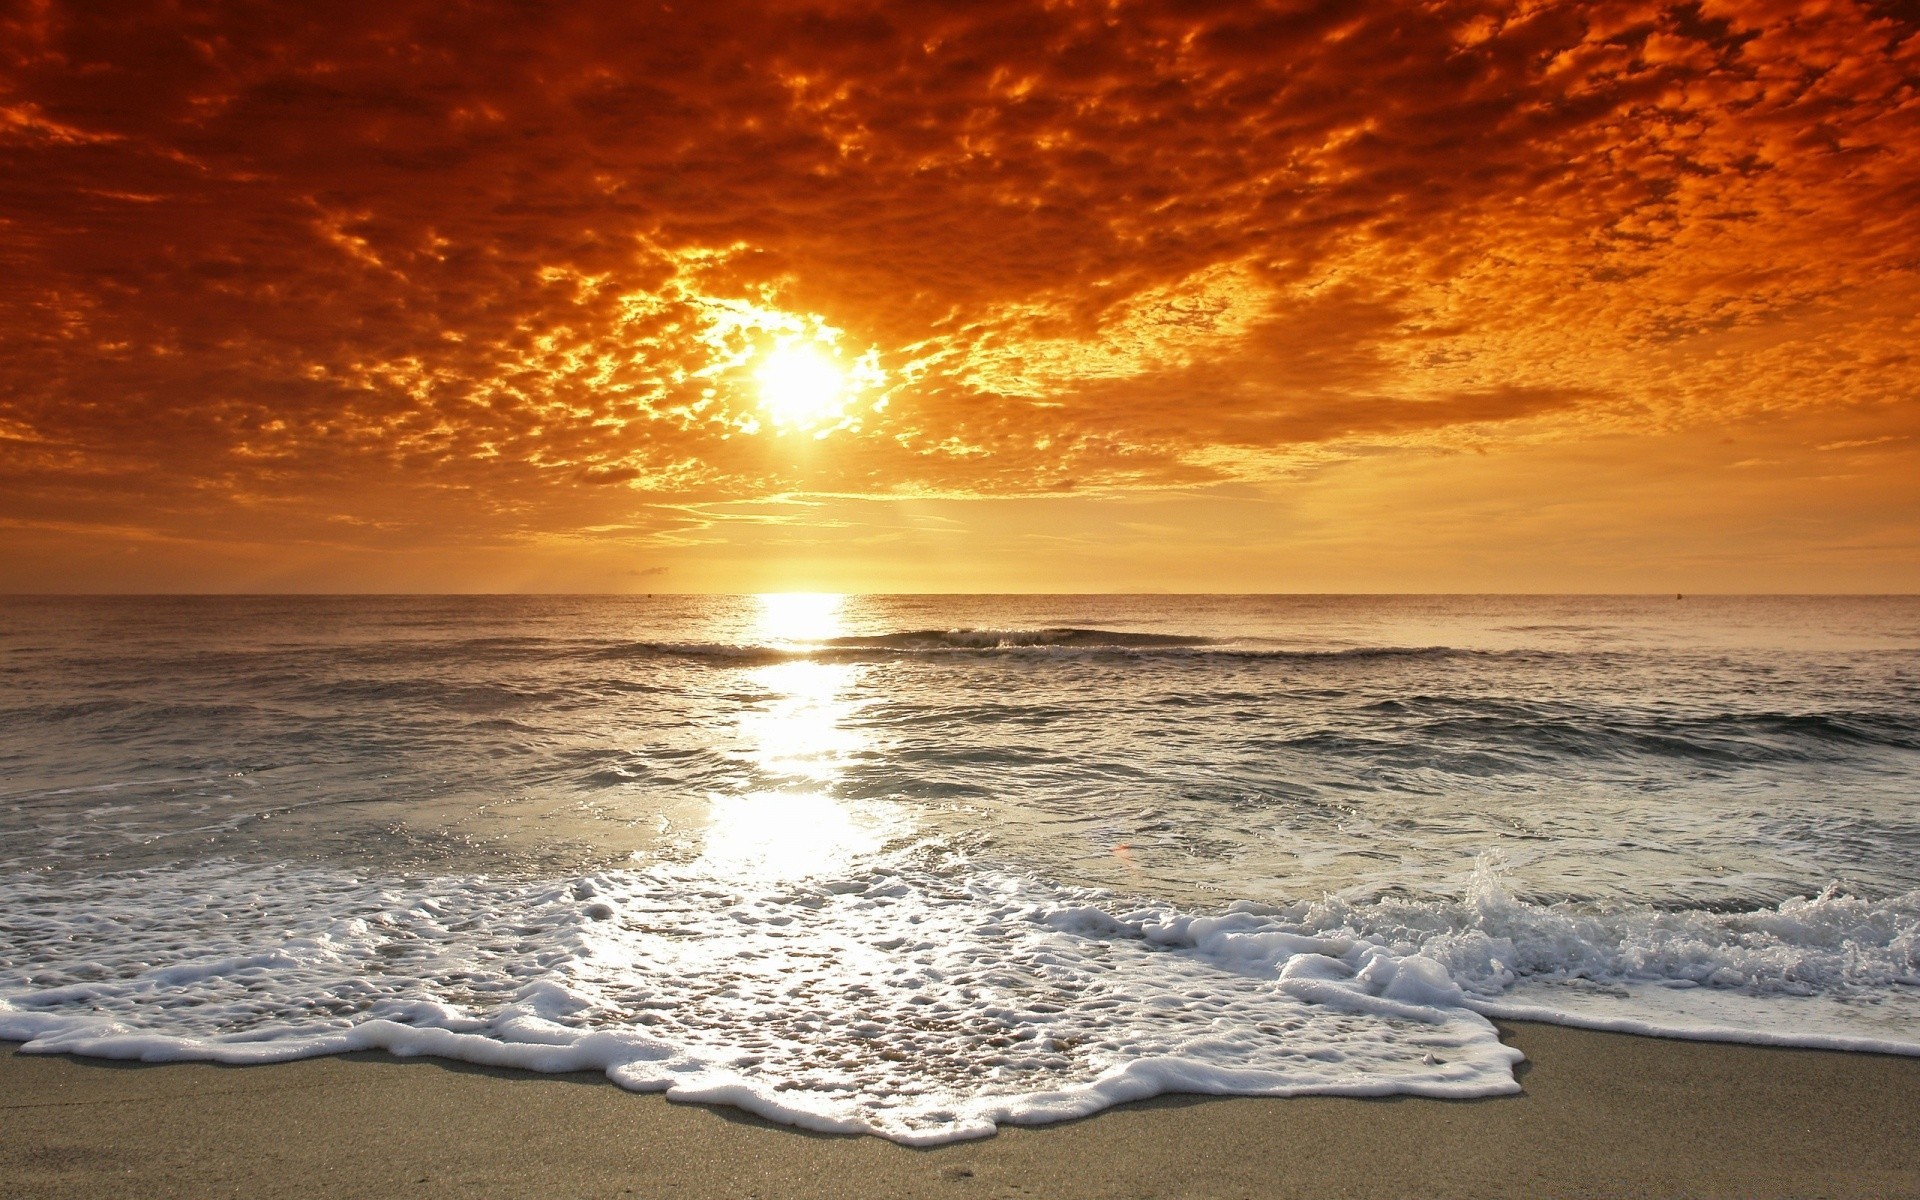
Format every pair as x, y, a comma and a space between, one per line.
801, 387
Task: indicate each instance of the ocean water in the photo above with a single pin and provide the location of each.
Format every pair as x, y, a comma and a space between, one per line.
918, 866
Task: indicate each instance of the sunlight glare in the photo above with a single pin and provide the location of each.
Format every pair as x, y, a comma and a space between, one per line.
802, 733
801, 387
789, 617
799, 739
790, 835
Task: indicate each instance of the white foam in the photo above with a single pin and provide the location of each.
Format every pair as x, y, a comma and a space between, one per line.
923, 1001
1832, 971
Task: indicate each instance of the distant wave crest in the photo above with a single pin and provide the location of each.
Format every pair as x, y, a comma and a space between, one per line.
1015, 639
1058, 639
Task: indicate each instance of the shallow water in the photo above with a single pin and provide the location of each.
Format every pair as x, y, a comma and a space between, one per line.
919, 865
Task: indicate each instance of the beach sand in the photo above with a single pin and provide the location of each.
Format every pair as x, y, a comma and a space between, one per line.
1601, 1115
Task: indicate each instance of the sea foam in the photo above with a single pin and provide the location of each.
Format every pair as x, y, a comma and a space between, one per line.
921, 998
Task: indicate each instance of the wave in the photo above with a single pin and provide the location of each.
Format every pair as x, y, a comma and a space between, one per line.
918, 1000
1062, 640
1015, 639
1575, 731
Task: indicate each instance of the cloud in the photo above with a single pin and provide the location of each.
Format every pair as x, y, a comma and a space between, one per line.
467, 270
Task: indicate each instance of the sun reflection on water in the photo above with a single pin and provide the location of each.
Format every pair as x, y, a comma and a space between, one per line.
802, 732
787, 618
800, 738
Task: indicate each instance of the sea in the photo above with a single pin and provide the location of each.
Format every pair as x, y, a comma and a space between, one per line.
920, 866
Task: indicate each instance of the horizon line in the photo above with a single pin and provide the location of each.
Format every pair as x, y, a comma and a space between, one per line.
344, 595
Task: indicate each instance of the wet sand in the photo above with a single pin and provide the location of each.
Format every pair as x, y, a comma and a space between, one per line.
1601, 1115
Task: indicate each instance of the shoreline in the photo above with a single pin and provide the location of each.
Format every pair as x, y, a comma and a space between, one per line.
1599, 1114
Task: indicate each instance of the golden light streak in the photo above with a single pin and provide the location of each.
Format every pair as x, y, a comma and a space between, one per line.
800, 740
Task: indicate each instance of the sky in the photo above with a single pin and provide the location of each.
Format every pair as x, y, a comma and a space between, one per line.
421, 295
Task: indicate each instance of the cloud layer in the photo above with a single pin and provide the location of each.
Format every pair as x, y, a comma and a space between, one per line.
485, 268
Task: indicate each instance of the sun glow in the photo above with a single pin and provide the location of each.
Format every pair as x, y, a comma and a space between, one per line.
801, 387
789, 617
803, 376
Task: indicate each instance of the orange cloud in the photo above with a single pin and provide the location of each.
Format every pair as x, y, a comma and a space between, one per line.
417, 271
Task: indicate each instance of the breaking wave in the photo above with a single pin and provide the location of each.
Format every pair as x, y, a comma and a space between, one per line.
916, 1001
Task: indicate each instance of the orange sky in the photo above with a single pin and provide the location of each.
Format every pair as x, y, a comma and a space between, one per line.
1166, 296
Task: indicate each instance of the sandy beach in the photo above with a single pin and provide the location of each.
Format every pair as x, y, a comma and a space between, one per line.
1601, 1115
